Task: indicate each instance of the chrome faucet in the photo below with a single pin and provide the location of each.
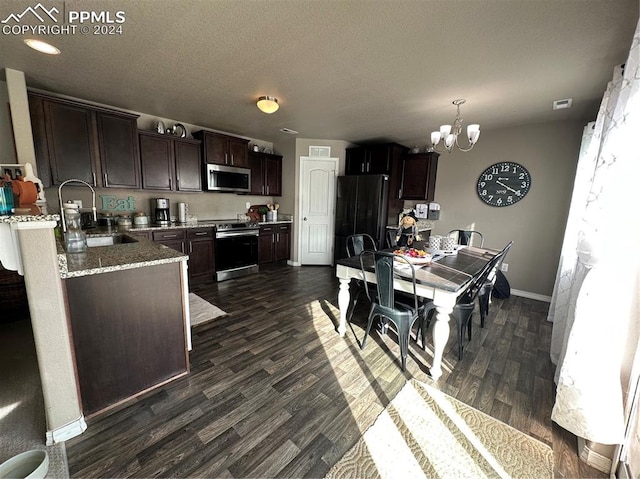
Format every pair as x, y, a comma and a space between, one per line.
93, 199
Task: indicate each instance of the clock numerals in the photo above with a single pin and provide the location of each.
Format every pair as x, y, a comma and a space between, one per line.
503, 184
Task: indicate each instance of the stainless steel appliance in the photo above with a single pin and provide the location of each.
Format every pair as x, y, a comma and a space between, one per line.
361, 207
236, 249
227, 178
162, 216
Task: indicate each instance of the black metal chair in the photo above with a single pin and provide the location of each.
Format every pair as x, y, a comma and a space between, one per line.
465, 237
484, 296
356, 244
385, 304
463, 310
391, 239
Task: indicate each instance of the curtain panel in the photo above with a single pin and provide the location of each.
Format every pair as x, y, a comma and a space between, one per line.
594, 305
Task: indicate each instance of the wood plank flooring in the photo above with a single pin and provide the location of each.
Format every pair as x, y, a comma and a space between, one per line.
275, 392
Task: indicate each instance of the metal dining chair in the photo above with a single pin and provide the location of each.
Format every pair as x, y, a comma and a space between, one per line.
463, 310
484, 296
386, 305
356, 244
465, 237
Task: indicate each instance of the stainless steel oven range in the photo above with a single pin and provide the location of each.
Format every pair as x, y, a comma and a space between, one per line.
236, 249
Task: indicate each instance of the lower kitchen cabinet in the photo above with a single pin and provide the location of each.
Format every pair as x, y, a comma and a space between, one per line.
274, 243
127, 337
198, 244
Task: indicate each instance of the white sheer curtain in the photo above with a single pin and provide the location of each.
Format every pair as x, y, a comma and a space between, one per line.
594, 303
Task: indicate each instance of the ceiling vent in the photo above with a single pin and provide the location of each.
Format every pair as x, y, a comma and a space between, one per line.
562, 104
289, 131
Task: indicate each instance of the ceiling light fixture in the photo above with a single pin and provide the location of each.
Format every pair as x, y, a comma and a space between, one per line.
449, 134
42, 47
268, 104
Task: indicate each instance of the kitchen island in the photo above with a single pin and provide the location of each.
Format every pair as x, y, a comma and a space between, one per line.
129, 316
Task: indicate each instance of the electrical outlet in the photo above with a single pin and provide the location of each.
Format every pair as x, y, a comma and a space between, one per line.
248, 204
504, 267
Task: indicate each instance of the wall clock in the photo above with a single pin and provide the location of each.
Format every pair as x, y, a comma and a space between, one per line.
504, 184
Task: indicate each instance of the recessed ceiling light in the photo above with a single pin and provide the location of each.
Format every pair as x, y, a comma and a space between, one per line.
562, 104
41, 46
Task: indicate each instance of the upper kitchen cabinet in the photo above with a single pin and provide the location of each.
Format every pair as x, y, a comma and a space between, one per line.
82, 141
64, 140
372, 159
222, 149
419, 176
266, 174
170, 164
118, 140
188, 164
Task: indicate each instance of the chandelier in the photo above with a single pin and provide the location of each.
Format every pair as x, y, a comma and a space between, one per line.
449, 133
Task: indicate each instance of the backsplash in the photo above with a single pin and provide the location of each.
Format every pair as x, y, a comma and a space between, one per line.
206, 206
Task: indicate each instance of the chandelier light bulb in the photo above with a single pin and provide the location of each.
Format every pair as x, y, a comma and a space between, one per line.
435, 138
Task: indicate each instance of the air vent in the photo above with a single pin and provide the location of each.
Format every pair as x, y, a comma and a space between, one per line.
289, 131
562, 104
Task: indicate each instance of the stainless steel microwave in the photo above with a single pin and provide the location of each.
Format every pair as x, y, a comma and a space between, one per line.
227, 178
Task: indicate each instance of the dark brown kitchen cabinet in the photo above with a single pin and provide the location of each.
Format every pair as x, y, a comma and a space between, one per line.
119, 157
64, 140
170, 164
195, 242
419, 176
90, 143
380, 159
370, 160
188, 165
127, 338
274, 243
266, 174
199, 244
223, 149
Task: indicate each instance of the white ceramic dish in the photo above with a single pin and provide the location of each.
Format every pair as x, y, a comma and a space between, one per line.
32, 464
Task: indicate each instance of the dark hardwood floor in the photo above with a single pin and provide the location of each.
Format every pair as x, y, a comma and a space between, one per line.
275, 392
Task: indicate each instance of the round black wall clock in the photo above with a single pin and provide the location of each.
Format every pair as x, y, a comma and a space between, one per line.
503, 184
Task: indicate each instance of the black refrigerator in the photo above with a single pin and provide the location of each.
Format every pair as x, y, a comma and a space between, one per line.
361, 207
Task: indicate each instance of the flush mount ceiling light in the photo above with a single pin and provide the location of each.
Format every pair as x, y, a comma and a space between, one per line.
42, 47
449, 134
268, 104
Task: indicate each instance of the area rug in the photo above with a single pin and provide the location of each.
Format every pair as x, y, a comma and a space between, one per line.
423, 433
202, 311
22, 416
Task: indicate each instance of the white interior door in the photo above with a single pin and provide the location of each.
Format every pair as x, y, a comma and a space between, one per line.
317, 208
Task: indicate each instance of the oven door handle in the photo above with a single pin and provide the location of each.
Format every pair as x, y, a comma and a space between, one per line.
232, 234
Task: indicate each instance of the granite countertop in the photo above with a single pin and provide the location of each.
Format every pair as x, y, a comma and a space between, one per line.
138, 253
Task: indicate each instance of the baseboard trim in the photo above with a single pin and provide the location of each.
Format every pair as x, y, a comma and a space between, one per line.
592, 458
67, 431
527, 294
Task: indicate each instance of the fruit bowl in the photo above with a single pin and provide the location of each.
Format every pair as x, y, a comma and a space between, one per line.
414, 256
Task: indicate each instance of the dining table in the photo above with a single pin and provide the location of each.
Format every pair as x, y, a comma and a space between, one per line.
443, 280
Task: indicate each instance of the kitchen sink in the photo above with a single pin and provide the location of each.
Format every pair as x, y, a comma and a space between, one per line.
111, 240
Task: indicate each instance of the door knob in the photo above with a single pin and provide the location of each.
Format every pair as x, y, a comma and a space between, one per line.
304, 219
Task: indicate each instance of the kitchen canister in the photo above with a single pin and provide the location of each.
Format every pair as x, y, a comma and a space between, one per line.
183, 212
141, 219
447, 243
434, 242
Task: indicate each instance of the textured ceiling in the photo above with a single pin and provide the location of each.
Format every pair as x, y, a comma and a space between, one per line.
352, 70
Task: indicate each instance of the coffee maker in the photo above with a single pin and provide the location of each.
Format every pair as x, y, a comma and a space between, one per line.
162, 217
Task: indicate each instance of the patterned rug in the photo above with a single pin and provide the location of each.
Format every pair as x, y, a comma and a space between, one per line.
202, 311
423, 433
